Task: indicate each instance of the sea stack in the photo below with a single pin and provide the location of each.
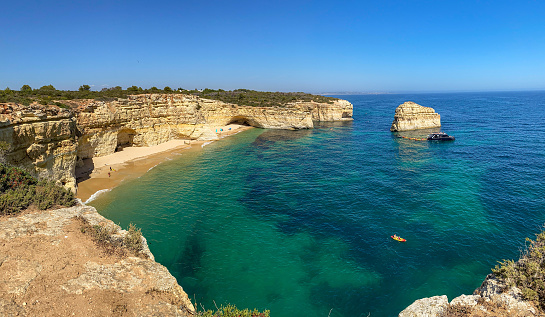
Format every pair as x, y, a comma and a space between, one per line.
412, 116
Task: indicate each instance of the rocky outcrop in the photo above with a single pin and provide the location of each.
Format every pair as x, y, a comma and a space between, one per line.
339, 110
50, 267
493, 298
426, 307
49, 141
411, 116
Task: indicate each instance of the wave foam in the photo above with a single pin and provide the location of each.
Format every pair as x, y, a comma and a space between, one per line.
95, 195
206, 143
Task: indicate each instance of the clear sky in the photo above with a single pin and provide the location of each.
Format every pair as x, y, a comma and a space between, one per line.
311, 46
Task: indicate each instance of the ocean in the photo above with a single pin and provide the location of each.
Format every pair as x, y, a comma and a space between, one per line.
299, 222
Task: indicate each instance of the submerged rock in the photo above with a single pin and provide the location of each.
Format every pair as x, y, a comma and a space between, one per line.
412, 116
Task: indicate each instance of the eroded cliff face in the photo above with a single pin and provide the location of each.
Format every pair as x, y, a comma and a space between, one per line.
411, 116
49, 141
40, 139
145, 120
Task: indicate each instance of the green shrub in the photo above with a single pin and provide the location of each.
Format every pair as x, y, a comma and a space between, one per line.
133, 239
15, 200
19, 190
233, 311
12, 177
48, 194
528, 273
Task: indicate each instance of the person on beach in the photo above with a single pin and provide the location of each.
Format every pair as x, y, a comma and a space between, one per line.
110, 168
108, 174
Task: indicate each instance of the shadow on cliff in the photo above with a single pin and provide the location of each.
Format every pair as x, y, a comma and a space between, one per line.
84, 171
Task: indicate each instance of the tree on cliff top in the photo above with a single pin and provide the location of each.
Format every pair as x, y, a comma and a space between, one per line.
26, 89
47, 89
84, 88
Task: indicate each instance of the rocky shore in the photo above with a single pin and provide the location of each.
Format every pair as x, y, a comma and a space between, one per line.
492, 298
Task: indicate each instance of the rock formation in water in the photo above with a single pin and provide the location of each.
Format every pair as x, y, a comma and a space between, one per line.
493, 298
49, 141
49, 266
411, 116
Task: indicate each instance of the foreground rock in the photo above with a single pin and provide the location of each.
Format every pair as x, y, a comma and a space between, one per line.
493, 298
49, 267
411, 116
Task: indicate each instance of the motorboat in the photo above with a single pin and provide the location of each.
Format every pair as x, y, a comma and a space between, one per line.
440, 136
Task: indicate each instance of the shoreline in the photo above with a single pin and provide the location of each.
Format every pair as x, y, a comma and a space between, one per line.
133, 162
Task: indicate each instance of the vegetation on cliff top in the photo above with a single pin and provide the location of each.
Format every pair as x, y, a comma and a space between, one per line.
233, 311
19, 190
49, 95
104, 235
528, 273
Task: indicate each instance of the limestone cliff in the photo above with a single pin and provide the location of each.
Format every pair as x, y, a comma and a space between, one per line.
144, 120
411, 116
49, 141
40, 139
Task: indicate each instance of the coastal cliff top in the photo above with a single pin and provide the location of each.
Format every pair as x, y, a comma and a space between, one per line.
51, 264
49, 95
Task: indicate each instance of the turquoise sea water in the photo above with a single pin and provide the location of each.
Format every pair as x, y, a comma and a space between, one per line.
299, 222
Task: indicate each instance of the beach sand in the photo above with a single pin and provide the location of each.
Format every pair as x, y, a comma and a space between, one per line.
106, 172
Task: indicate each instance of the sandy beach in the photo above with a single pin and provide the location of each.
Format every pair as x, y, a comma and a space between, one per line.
103, 173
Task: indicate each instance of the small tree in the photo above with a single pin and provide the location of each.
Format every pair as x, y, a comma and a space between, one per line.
167, 89
26, 89
47, 90
84, 88
134, 89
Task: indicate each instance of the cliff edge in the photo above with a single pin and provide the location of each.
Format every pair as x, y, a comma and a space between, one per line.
493, 298
50, 266
411, 116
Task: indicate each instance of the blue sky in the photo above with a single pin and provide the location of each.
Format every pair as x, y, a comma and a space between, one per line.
311, 46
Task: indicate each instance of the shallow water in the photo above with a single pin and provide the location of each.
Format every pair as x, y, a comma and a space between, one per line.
299, 222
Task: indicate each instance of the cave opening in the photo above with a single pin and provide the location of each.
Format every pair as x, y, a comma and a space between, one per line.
125, 138
240, 120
